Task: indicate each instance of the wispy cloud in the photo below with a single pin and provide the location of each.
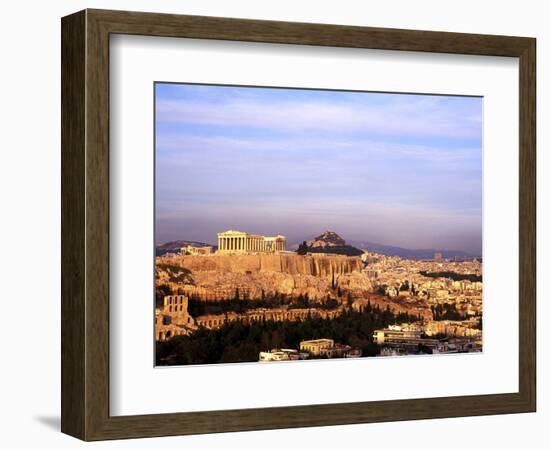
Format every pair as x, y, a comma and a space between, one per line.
397, 169
175, 145
431, 116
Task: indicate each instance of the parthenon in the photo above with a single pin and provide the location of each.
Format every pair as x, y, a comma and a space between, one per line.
233, 241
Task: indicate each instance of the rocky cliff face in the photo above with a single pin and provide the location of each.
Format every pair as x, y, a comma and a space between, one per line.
315, 265
327, 239
219, 276
330, 242
252, 285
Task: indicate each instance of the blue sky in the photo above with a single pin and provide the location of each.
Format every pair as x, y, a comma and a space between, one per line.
394, 169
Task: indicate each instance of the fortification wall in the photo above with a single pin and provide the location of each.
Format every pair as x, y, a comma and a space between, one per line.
315, 265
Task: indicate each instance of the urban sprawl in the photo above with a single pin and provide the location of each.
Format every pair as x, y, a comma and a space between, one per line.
251, 299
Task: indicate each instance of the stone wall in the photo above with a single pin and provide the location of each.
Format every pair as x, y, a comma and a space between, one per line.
213, 321
218, 277
315, 265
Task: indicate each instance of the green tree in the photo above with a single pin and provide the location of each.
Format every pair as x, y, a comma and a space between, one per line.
161, 291
239, 342
302, 248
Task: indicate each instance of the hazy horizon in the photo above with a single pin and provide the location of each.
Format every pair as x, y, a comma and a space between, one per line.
395, 169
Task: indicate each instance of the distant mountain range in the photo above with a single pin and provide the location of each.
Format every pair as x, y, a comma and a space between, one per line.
331, 242
175, 246
427, 253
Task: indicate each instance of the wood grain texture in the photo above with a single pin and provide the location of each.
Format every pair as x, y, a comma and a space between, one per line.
527, 224
73, 226
85, 224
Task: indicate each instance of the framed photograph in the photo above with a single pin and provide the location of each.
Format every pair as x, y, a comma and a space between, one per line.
273, 225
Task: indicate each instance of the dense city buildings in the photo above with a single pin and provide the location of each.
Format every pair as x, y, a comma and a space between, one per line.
287, 306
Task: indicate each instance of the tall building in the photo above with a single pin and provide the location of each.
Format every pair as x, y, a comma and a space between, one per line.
232, 241
438, 257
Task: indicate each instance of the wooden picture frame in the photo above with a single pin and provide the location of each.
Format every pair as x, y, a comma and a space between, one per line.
85, 224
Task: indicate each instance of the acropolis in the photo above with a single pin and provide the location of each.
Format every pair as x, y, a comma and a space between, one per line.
233, 241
